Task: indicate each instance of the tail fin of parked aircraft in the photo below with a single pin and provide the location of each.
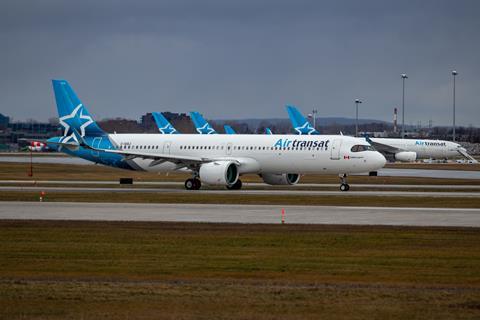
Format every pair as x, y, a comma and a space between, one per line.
229, 129
72, 114
163, 125
202, 126
300, 124
268, 131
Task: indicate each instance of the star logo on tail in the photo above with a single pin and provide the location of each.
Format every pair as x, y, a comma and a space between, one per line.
72, 120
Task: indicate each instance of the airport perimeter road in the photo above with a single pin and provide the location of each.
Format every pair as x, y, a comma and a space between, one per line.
240, 213
440, 194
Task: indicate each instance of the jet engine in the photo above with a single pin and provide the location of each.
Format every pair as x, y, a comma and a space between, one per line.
219, 173
280, 179
406, 156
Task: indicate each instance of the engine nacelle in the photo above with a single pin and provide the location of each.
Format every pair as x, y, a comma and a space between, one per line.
219, 173
406, 156
281, 179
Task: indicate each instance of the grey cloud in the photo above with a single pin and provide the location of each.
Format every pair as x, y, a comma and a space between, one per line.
241, 58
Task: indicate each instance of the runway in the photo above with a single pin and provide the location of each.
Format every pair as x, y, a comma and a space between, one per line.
241, 214
270, 192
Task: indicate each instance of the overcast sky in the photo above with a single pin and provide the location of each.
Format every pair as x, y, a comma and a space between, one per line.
242, 59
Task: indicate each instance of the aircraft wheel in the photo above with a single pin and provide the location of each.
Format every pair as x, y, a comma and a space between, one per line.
344, 187
236, 186
189, 184
196, 184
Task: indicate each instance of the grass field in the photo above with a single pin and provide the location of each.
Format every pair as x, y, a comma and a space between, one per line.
241, 198
92, 270
18, 171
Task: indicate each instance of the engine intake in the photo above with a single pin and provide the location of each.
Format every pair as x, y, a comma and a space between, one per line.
219, 173
280, 179
406, 156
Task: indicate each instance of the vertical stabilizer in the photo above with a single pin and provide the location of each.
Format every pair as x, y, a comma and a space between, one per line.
201, 125
163, 125
72, 114
299, 122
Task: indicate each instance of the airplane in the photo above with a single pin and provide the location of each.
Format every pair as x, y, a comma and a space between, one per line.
201, 125
163, 125
300, 124
268, 131
211, 159
405, 150
229, 129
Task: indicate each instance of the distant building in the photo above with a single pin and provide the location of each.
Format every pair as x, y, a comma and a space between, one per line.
4, 121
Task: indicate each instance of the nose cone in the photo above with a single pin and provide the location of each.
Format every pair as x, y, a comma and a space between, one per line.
379, 160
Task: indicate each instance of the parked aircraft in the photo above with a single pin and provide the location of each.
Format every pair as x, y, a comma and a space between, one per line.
212, 159
201, 125
395, 148
163, 125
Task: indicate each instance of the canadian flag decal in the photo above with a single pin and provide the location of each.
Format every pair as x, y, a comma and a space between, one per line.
346, 157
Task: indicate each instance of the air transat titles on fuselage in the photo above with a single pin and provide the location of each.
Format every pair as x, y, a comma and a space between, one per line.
431, 143
286, 143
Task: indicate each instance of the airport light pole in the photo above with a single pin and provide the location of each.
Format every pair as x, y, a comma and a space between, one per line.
357, 101
404, 76
454, 74
314, 116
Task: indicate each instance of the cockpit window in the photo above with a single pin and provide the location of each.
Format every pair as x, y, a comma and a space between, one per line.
361, 147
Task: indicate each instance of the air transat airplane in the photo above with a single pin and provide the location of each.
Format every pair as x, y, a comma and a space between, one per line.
164, 126
393, 148
212, 159
201, 125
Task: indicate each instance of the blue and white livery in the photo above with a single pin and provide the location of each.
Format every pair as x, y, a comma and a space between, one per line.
300, 124
201, 125
163, 125
216, 159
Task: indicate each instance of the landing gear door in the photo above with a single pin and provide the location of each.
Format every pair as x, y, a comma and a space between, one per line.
166, 147
335, 149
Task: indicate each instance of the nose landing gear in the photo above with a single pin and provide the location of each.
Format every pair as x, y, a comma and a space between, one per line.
344, 186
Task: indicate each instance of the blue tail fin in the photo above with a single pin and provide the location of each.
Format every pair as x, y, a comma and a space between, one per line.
300, 124
268, 131
229, 129
202, 126
72, 114
163, 125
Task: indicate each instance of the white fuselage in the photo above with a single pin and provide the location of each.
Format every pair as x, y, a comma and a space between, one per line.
256, 153
425, 149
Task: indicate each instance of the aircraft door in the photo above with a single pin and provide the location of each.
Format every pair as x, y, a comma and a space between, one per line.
166, 147
96, 144
335, 149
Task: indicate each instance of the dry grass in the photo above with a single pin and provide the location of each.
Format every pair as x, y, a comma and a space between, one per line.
241, 198
111, 270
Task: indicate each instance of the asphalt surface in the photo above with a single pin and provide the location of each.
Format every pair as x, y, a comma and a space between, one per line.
240, 214
459, 194
246, 184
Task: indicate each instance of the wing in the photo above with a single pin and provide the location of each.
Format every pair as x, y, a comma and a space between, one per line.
384, 148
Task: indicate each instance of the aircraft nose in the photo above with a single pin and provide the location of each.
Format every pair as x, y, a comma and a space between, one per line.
380, 160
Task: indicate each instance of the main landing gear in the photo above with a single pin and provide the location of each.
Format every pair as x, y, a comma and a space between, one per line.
344, 185
193, 184
236, 186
